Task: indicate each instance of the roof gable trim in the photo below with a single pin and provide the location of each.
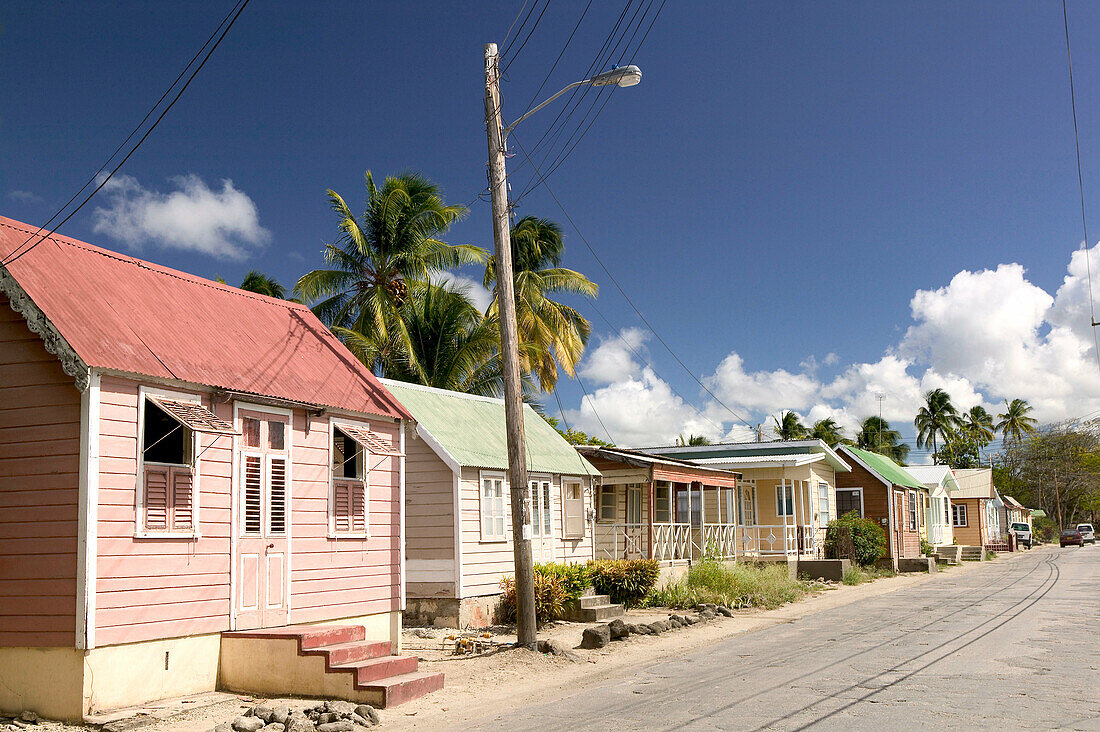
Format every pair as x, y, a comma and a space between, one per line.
40, 325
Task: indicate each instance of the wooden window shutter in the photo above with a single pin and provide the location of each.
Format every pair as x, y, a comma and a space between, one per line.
156, 498
277, 499
573, 508
253, 492
358, 505
183, 511
342, 509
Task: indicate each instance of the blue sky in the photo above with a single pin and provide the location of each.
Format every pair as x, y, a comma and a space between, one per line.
781, 184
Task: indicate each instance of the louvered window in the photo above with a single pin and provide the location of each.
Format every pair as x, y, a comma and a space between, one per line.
277, 503
167, 456
253, 494
352, 452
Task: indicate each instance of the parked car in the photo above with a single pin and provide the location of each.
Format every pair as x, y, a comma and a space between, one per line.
1070, 536
1022, 532
1088, 535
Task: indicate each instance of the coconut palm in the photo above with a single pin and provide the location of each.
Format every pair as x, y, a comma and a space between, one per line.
876, 435
692, 440
1014, 422
258, 282
938, 417
449, 345
790, 427
377, 257
556, 332
828, 431
977, 424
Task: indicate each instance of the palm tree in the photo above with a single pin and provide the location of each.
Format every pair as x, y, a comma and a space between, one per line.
394, 245
692, 441
556, 332
978, 425
789, 427
449, 345
937, 417
828, 431
258, 282
876, 435
1014, 422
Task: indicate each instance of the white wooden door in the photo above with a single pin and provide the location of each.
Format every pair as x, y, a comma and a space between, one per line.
542, 521
263, 532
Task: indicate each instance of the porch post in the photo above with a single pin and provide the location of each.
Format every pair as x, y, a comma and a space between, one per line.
691, 539
652, 507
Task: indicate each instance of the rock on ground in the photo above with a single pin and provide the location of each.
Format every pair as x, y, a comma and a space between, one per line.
596, 636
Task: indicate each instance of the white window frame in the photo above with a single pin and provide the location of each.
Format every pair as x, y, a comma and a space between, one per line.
608, 489
781, 502
333, 425
657, 489
956, 510
634, 492
504, 495
543, 486
824, 515
140, 532
565, 483
911, 506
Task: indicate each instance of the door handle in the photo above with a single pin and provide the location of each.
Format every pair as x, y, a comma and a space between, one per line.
270, 546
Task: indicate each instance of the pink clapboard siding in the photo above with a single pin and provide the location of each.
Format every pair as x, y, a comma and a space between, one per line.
39, 477
342, 577
149, 588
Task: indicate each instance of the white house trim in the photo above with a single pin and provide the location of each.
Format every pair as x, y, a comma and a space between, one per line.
400, 502
457, 496
87, 523
437, 448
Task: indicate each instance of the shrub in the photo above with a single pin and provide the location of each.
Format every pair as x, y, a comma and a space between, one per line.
574, 578
860, 539
550, 599
626, 581
857, 575
739, 585
926, 549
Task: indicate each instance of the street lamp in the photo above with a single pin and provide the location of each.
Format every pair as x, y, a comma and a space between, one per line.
509, 340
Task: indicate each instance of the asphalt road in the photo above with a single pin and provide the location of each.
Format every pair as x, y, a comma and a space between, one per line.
1012, 644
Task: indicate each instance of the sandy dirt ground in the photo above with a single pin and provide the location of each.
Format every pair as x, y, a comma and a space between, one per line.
477, 686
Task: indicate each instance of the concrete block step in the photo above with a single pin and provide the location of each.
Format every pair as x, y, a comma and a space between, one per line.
404, 687
342, 654
588, 601
376, 669
598, 613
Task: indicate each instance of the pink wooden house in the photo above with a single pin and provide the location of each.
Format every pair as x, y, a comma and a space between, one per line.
200, 488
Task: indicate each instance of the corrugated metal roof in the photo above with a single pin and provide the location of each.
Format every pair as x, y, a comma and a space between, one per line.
974, 483
934, 475
748, 460
788, 448
122, 313
884, 466
472, 430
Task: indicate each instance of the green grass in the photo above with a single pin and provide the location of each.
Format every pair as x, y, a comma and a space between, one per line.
739, 585
857, 575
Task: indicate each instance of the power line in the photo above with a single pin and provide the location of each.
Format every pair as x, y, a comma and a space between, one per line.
512, 59
535, 96
627, 297
592, 403
513, 25
16, 254
1081, 187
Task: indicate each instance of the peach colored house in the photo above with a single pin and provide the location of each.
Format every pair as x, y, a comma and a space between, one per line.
180, 459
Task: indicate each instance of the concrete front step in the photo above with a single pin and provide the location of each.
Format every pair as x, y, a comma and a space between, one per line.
324, 661
588, 601
597, 613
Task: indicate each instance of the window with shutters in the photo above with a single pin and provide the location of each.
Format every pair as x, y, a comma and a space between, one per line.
492, 507
662, 503
573, 508
167, 472
912, 511
350, 481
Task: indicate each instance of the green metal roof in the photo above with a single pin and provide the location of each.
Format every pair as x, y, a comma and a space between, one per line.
471, 429
885, 467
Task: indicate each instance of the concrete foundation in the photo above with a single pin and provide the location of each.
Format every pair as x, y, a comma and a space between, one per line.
825, 569
448, 612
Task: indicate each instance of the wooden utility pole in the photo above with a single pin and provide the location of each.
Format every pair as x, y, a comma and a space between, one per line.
509, 345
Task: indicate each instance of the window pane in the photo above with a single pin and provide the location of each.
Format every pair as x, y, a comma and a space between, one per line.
276, 437
547, 517
166, 440
251, 429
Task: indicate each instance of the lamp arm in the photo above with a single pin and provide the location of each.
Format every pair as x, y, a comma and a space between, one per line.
512, 126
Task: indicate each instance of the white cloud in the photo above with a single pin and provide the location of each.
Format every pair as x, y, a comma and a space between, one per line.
984, 337
194, 217
476, 291
26, 197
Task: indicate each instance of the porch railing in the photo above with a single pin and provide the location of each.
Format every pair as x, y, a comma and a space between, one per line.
621, 541
937, 534
718, 540
776, 540
671, 542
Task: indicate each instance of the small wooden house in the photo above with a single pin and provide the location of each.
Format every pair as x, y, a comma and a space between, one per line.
458, 544
785, 497
193, 479
889, 495
941, 484
976, 509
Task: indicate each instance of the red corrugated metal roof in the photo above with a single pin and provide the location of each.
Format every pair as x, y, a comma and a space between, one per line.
118, 312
